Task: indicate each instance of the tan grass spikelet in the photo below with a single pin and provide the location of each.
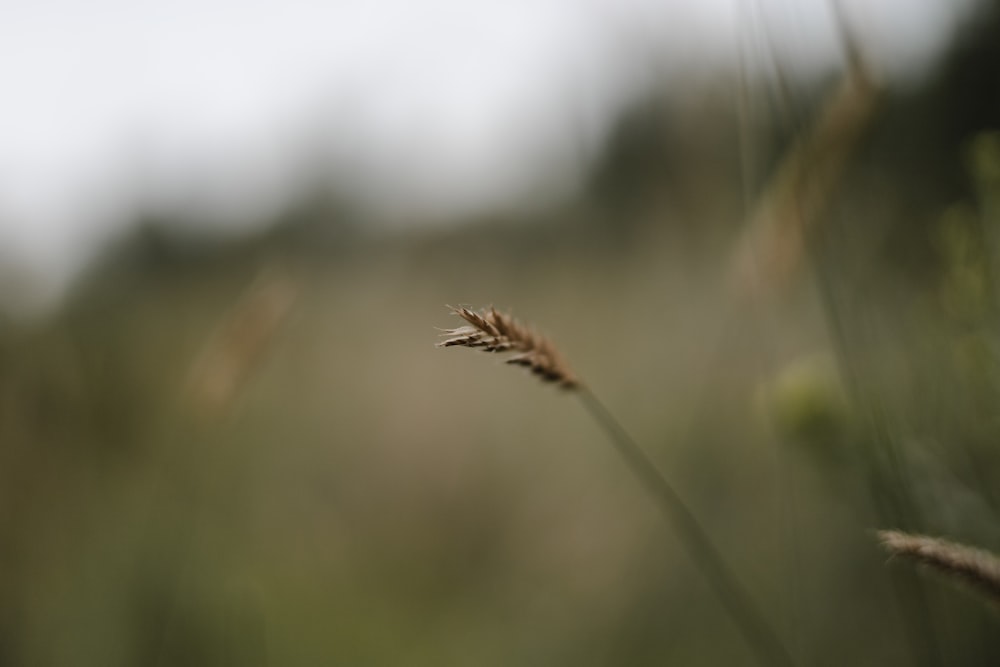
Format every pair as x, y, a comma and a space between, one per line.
493, 331
978, 568
802, 187
239, 343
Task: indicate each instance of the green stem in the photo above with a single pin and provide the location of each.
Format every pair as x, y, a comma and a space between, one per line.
769, 649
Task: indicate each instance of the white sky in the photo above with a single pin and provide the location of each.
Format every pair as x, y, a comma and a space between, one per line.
216, 106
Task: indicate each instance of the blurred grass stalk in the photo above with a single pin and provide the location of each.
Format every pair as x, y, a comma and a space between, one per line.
775, 240
239, 343
781, 234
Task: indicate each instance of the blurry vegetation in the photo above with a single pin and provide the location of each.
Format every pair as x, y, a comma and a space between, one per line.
353, 496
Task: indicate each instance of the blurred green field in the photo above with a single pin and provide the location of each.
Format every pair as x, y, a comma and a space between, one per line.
366, 498
253, 454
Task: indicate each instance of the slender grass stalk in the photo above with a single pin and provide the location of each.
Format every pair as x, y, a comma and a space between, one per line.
493, 331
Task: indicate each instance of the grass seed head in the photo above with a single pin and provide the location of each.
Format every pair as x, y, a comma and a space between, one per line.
492, 331
978, 569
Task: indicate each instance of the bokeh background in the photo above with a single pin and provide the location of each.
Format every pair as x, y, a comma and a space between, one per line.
764, 233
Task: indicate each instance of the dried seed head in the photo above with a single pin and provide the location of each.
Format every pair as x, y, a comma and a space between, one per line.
978, 568
493, 331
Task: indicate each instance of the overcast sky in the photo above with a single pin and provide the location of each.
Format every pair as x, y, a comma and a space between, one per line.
216, 106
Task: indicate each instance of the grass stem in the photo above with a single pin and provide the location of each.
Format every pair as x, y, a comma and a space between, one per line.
759, 634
